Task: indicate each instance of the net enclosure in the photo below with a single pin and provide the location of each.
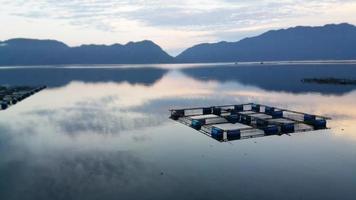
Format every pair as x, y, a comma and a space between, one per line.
243, 121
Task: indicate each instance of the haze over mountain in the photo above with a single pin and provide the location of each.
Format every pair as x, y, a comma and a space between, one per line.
333, 41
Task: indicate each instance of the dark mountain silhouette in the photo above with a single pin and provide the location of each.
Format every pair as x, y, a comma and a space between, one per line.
298, 43
49, 52
329, 42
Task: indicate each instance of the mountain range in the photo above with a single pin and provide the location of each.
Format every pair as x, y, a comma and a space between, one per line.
329, 42
49, 52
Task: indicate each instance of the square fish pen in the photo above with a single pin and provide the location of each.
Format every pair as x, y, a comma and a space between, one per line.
243, 121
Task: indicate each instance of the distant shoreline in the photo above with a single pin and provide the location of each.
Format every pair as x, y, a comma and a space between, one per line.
304, 62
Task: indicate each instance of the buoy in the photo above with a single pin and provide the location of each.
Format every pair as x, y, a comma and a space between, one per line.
4, 105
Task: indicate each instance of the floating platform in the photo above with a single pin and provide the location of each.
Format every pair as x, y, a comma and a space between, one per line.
243, 121
12, 95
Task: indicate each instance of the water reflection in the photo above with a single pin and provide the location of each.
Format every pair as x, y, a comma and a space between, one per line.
61, 76
109, 137
279, 78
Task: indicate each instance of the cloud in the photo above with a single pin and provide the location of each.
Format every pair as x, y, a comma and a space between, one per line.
184, 13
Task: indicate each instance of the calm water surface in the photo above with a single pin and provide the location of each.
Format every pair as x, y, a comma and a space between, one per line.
104, 133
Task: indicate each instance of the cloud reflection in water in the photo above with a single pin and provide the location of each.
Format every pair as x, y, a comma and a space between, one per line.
110, 139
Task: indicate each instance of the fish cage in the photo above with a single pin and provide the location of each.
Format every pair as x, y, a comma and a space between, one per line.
12, 95
243, 121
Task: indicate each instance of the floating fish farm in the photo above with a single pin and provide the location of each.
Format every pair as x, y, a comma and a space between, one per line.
12, 95
235, 122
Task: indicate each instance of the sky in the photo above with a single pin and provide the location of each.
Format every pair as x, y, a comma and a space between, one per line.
173, 24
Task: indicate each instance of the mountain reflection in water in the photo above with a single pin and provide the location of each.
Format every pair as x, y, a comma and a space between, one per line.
61, 76
279, 78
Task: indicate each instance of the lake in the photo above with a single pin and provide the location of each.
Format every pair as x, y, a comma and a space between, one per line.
103, 132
